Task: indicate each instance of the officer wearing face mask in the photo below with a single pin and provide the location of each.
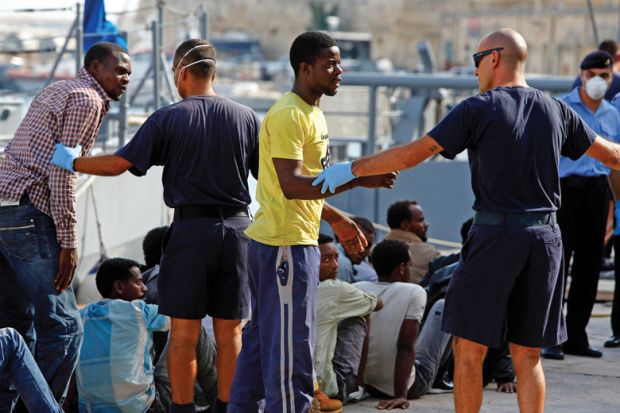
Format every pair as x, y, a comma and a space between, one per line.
610, 46
585, 204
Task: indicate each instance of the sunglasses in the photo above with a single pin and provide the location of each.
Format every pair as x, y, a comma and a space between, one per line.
478, 56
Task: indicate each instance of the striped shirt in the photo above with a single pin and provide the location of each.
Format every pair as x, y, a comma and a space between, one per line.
115, 369
68, 112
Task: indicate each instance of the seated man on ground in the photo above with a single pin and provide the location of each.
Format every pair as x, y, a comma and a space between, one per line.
407, 224
355, 267
152, 247
340, 326
400, 364
115, 370
19, 369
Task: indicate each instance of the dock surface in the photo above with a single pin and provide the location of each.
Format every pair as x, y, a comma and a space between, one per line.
574, 385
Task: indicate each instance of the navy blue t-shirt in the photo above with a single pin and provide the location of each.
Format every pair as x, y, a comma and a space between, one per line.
207, 144
514, 137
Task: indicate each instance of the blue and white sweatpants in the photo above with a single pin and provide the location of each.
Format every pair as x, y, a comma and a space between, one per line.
276, 360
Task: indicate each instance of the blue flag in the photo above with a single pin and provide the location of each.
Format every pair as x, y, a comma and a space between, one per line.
95, 22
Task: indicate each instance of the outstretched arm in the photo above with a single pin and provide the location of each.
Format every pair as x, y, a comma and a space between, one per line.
394, 159
605, 151
397, 158
69, 159
103, 165
295, 185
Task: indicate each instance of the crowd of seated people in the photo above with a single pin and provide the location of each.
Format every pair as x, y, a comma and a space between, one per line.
392, 348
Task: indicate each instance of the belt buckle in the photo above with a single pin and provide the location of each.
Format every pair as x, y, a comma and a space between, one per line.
7, 202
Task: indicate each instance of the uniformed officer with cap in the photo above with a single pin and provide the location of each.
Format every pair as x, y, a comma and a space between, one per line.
585, 204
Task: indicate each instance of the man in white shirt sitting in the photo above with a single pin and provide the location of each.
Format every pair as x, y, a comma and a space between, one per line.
402, 361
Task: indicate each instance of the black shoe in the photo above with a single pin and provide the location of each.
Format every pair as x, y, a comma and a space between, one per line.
612, 342
607, 264
552, 353
582, 351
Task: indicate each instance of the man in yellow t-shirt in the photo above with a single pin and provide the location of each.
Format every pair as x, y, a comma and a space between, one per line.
276, 360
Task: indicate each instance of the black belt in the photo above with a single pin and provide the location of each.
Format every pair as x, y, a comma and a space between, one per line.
519, 219
585, 181
209, 211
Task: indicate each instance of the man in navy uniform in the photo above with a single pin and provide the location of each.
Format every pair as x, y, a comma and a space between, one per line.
510, 269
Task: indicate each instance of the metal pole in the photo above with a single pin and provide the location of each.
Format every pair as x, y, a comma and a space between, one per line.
593, 22
372, 120
160, 22
203, 22
122, 110
79, 41
160, 48
138, 88
155, 64
372, 137
61, 54
168, 81
618, 35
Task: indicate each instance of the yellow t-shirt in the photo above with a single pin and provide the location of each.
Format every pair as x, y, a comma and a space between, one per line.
292, 129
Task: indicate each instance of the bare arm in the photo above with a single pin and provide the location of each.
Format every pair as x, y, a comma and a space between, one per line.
605, 151
295, 185
405, 359
361, 370
103, 165
397, 158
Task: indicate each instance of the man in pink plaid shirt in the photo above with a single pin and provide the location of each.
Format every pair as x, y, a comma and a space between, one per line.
38, 240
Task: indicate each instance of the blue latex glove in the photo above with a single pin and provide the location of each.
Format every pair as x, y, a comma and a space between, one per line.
617, 215
64, 156
335, 176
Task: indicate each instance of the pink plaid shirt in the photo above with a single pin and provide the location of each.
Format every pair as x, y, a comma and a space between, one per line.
68, 112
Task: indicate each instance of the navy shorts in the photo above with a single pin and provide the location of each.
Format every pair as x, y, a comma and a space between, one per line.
508, 276
204, 269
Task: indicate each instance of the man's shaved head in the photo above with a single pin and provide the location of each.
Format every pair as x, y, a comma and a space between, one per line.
515, 48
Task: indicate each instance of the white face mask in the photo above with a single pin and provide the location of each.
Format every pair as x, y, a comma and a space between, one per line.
596, 88
179, 71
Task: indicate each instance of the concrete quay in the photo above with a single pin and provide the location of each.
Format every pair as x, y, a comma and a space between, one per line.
574, 385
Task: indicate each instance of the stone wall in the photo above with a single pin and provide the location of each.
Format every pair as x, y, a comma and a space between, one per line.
558, 32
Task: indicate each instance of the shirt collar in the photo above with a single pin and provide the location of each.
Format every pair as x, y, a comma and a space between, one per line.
86, 76
573, 96
403, 235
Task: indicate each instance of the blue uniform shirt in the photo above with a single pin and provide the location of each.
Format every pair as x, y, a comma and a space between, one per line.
514, 137
605, 122
207, 144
